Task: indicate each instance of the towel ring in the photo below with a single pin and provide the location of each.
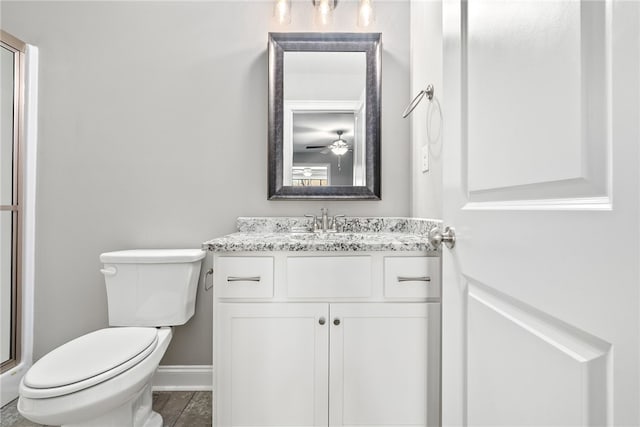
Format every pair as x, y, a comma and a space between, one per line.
428, 92
435, 104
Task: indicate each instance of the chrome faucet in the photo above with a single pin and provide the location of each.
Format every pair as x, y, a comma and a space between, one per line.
324, 223
324, 220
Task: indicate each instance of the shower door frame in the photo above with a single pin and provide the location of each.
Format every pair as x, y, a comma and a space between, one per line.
18, 48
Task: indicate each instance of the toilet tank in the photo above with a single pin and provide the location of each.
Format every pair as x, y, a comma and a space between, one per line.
151, 287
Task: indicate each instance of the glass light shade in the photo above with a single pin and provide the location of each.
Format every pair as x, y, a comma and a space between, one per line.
339, 147
323, 14
282, 11
366, 14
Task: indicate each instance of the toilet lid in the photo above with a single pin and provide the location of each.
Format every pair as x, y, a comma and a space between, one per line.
152, 256
91, 355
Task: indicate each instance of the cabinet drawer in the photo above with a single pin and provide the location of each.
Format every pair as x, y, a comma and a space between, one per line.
244, 277
329, 277
411, 277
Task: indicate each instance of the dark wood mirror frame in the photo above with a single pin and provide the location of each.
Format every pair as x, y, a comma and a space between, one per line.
370, 43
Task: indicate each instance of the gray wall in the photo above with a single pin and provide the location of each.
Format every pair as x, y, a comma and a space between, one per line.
426, 68
153, 134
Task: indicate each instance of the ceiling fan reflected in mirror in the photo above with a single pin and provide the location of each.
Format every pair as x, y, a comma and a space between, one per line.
338, 147
306, 172
314, 172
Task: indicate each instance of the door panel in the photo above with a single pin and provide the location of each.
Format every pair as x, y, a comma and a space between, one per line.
272, 365
541, 292
531, 361
379, 370
537, 96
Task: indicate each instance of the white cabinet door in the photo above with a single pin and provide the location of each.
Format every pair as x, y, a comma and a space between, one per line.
379, 364
272, 362
541, 292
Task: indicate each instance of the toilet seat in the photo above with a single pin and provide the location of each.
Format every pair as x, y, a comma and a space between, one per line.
88, 360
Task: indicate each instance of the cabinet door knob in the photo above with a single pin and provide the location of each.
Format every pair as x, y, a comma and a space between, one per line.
322, 321
336, 321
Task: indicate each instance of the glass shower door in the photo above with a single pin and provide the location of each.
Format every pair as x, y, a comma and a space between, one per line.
11, 78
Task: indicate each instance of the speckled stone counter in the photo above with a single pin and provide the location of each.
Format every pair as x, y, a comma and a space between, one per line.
262, 234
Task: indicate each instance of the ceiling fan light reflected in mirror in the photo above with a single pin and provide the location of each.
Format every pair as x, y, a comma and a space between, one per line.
319, 172
339, 146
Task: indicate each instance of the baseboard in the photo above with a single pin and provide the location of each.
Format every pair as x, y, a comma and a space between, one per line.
183, 378
10, 381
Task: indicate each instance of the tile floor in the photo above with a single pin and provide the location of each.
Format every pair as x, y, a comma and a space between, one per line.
178, 409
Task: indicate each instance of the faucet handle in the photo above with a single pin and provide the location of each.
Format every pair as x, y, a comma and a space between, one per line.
314, 225
334, 226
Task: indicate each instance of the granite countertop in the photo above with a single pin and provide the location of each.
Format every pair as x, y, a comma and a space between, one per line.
262, 234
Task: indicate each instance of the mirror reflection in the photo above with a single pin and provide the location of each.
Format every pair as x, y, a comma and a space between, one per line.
324, 117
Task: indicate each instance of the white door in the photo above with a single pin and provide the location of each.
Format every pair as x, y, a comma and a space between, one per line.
378, 367
541, 292
272, 364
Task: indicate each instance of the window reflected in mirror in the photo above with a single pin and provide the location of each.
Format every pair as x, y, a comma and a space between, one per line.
324, 115
311, 175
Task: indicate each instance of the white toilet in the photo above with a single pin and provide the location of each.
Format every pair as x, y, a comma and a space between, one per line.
104, 378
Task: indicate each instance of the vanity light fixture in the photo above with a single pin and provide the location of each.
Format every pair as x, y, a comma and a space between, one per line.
323, 12
366, 14
282, 11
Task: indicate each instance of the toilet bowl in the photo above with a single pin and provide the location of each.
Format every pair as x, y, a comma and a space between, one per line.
118, 399
104, 378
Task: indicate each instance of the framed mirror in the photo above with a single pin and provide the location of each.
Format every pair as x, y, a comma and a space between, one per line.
324, 115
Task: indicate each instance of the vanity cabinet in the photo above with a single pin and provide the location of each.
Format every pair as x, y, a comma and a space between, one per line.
326, 340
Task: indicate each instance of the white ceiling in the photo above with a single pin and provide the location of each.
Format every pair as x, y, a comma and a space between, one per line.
319, 128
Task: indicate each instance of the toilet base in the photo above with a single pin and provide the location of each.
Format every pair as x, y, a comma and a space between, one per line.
155, 420
136, 412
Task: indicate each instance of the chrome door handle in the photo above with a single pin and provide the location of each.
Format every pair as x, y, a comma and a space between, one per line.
414, 279
448, 237
243, 279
